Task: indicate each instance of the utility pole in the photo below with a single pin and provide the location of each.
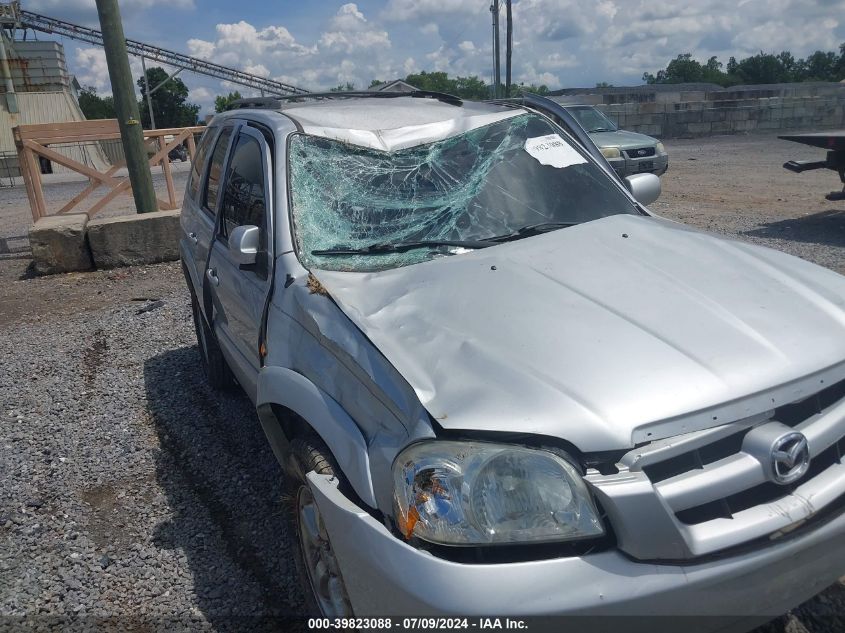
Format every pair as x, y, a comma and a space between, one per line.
148, 93
126, 107
497, 73
508, 46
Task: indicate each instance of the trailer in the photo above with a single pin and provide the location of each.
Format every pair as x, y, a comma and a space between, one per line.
834, 143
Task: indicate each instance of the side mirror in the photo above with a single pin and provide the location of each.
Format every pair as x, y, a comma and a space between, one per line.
244, 243
644, 187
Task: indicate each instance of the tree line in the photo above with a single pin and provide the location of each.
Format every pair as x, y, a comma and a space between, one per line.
471, 87
762, 68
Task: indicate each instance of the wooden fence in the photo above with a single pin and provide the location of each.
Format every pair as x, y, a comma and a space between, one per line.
33, 141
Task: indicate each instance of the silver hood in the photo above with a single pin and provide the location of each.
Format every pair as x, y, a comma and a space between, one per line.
605, 334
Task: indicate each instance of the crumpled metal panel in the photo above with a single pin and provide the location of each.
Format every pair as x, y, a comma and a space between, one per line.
610, 333
309, 334
396, 123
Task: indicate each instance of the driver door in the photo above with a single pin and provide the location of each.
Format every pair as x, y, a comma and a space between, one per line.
239, 292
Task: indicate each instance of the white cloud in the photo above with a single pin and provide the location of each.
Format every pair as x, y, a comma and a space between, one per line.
556, 42
91, 69
413, 9
350, 31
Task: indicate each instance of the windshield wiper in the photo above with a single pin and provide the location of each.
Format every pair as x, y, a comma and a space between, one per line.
402, 247
601, 129
531, 229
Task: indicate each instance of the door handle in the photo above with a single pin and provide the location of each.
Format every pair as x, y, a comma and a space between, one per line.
193, 238
211, 273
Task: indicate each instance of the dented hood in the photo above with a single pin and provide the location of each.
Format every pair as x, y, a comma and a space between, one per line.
605, 334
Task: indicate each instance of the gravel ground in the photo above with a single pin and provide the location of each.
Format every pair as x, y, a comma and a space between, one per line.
134, 493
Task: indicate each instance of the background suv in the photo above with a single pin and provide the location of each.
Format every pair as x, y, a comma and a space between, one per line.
627, 152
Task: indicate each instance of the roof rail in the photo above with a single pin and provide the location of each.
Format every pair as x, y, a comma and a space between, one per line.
276, 102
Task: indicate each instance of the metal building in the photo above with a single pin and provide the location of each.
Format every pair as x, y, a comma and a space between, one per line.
36, 87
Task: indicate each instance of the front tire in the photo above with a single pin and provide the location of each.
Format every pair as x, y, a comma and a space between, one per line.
318, 567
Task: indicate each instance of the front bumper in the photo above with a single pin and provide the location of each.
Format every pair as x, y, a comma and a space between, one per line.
385, 576
649, 165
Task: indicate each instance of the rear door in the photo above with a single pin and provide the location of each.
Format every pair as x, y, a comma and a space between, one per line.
206, 201
240, 292
191, 217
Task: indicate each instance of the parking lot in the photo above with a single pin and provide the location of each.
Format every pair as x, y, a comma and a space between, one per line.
132, 491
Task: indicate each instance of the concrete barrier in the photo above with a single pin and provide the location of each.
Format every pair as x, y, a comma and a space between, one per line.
58, 244
146, 238
685, 114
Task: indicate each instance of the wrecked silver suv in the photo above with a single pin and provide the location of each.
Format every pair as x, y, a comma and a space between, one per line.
497, 383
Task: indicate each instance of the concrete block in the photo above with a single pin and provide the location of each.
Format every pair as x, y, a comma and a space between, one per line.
722, 127
135, 239
715, 115
699, 129
58, 244
739, 114
651, 108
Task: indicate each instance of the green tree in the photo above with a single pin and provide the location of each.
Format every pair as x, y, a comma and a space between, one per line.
840, 64
94, 106
762, 68
222, 102
170, 106
348, 87
471, 87
434, 81
603, 84
375, 83
820, 66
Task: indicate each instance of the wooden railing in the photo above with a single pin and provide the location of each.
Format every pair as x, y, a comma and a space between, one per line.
35, 140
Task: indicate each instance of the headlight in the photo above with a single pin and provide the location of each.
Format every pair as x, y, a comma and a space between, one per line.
660, 148
478, 493
611, 152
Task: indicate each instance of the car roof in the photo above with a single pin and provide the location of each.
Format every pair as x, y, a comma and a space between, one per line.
396, 123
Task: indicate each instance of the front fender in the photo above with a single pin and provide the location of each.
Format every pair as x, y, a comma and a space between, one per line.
285, 387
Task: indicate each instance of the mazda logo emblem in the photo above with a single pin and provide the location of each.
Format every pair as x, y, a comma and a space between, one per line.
790, 458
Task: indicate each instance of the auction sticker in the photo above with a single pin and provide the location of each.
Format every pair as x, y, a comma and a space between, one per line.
552, 150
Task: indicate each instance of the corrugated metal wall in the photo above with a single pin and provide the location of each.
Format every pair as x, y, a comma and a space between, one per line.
49, 107
37, 66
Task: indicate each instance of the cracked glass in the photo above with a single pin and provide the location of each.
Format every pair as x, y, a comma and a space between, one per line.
489, 181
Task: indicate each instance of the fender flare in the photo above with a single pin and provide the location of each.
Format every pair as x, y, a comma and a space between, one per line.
292, 390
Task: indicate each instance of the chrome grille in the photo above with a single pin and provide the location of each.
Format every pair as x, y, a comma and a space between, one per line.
710, 490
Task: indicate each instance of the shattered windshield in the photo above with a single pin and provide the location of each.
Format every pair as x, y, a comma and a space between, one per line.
488, 182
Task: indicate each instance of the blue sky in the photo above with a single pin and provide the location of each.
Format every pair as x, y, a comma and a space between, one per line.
561, 43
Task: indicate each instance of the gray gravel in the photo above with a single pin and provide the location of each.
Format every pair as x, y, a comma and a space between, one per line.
131, 490
134, 493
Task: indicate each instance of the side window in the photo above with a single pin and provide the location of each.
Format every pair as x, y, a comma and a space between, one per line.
243, 198
199, 160
215, 171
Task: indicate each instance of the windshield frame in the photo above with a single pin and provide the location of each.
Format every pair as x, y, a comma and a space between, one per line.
558, 129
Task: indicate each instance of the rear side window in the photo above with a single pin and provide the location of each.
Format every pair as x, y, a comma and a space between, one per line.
215, 171
199, 160
243, 198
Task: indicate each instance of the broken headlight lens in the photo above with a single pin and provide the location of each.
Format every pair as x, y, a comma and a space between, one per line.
479, 493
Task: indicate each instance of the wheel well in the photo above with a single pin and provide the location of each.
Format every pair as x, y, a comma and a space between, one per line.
293, 425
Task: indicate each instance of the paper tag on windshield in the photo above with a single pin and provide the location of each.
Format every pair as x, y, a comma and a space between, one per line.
553, 150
